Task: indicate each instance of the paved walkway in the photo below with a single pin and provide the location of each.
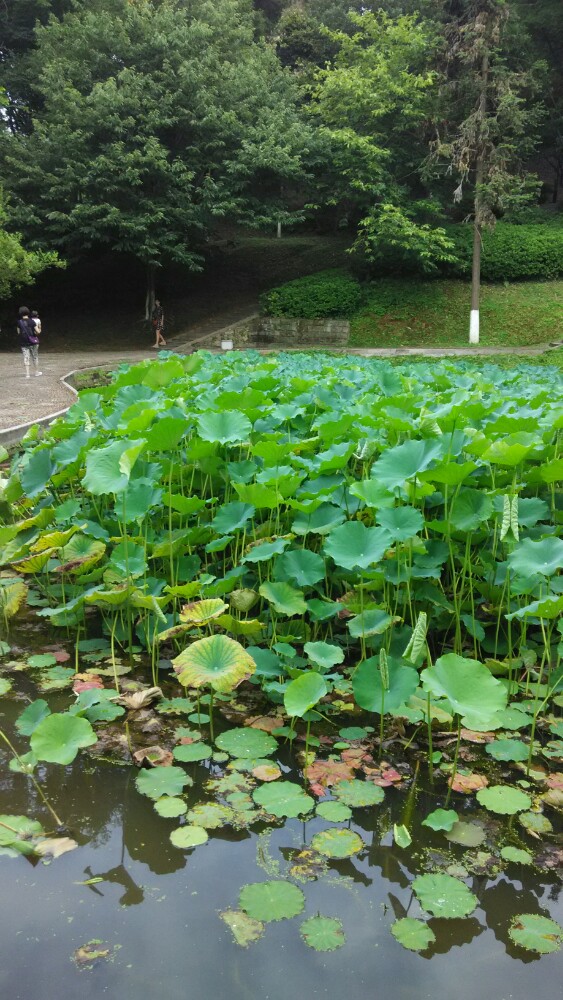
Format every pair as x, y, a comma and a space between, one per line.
24, 401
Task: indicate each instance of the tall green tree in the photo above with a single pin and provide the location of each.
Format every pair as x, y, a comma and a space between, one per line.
158, 118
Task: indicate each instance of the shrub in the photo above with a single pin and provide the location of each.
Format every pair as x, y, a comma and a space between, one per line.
318, 296
511, 252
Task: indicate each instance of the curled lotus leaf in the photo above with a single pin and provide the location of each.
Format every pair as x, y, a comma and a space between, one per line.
337, 843
202, 612
322, 933
217, 660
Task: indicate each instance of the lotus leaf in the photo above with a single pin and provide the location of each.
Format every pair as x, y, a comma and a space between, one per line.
159, 781
322, 520
202, 612
247, 744
530, 557
356, 793
186, 837
469, 509
244, 929
504, 799
322, 933
371, 622
232, 516
441, 819
58, 737
469, 687
444, 896
211, 815
402, 523
5, 686
283, 798
369, 691
187, 752
225, 427
302, 566
517, 855
334, 812
405, 461
508, 750
535, 823
336, 843
217, 660
413, 934
265, 551
354, 546
170, 806
466, 834
536, 933
273, 900
303, 693
284, 598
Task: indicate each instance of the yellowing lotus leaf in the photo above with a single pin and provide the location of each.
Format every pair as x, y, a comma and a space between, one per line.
217, 660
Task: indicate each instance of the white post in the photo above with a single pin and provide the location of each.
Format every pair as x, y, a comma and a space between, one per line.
279, 230
474, 327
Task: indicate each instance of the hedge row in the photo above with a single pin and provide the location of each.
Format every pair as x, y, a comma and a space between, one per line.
511, 253
318, 296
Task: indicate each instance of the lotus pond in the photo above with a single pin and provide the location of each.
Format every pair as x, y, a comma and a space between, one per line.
281, 683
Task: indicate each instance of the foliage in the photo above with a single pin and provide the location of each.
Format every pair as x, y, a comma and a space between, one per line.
19, 266
325, 294
510, 252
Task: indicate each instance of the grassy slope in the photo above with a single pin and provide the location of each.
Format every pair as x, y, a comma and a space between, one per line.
414, 313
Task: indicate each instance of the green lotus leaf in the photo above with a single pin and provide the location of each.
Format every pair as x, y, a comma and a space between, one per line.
444, 896
17, 834
371, 622
511, 450
535, 823
170, 806
186, 837
441, 819
302, 566
337, 843
273, 900
373, 494
259, 496
368, 687
5, 686
356, 793
284, 598
108, 469
413, 934
530, 557
508, 750
59, 737
184, 505
225, 426
334, 812
470, 688
158, 781
37, 472
283, 798
548, 607
33, 563
202, 612
217, 660
536, 933
166, 433
469, 509
405, 461
232, 516
188, 752
247, 743
354, 546
401, 523
265, 551
211, 815
244, 929
324, 654
516, 855
56, 678
12, 596
466, 834
322, 933
320, 521
504, 799
80, 554
304, 693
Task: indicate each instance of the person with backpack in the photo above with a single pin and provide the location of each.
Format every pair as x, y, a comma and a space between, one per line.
29, 341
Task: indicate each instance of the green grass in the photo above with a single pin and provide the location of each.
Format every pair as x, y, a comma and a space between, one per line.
413, 313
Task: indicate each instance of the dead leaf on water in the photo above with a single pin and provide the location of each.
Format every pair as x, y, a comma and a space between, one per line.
55, 846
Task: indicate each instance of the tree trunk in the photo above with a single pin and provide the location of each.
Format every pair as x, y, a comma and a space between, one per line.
478, 220
149, 297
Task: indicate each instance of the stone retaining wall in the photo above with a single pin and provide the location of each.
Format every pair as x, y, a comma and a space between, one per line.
282, 332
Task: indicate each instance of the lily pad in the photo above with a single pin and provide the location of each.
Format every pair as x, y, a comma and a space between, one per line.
536, 933
336, 843
189, 836
535, 823
211, 815
187, 752
444, 896
517, 855
247, 743
59, 737
244, 929
334, 812
322, 933
273, 900
508, 750
284, 798
159, 781
504, 799
356, 793
466, 834
170, 806
413, 934
441, 819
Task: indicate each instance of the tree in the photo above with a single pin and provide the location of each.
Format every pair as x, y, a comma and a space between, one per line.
488, 123
19, 266
158, 119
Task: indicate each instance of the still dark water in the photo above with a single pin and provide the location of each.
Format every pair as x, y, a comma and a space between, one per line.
157, 907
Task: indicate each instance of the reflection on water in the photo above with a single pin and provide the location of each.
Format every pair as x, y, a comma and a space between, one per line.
157, 908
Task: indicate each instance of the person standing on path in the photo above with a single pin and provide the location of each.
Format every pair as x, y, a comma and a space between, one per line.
29, 341
158, 324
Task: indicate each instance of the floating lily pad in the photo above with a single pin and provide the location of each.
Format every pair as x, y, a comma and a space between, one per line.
55, 678
283, 798
504, 799
244, 929
517, 855
159, 781
336, 843
59, 737
170, 807
466, 834
5, 686
189, 836
187, 752
536, 933
335, 812
274, 900
267, 772
508, 750
535, 823
444, 896
356, 793
441, 819
322, 933
211, 815
247, 743
353, 733
413, 934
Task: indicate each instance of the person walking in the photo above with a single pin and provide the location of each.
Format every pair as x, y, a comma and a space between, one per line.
29, 341
158, 324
